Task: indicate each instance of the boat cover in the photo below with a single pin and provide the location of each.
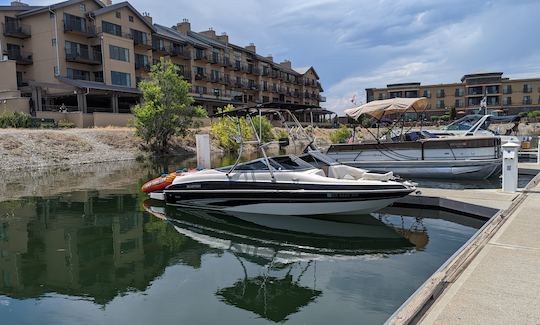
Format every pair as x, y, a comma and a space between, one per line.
379, 108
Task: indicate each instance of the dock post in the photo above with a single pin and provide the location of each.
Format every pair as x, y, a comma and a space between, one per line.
203, 150
538, 151
510, 167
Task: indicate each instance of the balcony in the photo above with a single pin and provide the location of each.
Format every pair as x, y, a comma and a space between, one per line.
141, 43
215, 59
84, 56
180, 52
200, 56
216, 79
142, 66
84, 30
16, 30
186, 75
22, 58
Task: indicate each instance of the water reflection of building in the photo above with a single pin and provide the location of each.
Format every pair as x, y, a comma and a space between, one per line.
90, 245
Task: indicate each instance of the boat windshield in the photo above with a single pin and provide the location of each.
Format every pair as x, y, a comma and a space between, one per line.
278, 163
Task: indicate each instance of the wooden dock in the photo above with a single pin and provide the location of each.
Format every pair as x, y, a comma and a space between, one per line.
495, 277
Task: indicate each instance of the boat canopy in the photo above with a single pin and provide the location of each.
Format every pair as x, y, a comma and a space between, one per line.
379, 108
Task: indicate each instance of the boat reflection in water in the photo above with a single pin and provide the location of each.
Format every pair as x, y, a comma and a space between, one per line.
278, 244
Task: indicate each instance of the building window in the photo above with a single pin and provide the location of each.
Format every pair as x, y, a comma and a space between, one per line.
215, 75
53, 42
507, 89
138, 36
507, 101
200, 90
265, 99
459, 103
459, 92
440, 103
217, 92
82, 6
492, 89
111, 28
121, 78
141, 61
493, 101
98, 76
440, 93
118, 15
527, 88
78, 74
200, 73
119, 53
527, 100
74, 23
55, 70
411, 94
427, 93
130, 18
394, 94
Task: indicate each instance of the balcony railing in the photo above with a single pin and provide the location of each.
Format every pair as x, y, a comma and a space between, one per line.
84, 56
141, 42
527, 102
23, 58
142, 66
16, 30
179, 51
201, 56
186, 75
87, 30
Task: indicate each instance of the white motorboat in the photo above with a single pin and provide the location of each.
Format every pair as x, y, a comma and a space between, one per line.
419, 154
311, 184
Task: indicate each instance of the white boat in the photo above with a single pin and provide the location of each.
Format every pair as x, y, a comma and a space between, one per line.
311, 184
419, 154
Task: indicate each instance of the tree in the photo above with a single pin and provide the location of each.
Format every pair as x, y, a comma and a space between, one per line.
225, 130
452, 113
167, 108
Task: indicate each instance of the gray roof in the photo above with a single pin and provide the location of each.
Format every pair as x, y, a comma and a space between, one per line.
207, 40
97, 85
55, 6
19, 8
119, 5
173, 34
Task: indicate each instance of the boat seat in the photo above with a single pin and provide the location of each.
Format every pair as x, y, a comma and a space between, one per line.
345, 172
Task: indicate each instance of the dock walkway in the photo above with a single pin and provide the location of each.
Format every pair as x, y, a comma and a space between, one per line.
501, 285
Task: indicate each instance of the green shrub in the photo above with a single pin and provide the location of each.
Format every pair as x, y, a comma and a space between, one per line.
15, 120
445, 117
64, 123
225, 130
435, 118
281, 134
340, 135
533, 114
266, 126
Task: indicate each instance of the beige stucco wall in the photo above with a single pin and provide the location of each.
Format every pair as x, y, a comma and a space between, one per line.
8, 77
79, 119
112, 119
19, 104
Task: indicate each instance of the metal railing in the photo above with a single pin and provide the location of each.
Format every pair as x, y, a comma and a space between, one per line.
16, 30
87, 29
20, 57
84, 56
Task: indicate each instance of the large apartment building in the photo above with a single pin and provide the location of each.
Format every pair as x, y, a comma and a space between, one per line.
504, 95
88, 56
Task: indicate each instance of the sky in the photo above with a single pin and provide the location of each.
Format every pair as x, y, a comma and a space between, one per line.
358, 44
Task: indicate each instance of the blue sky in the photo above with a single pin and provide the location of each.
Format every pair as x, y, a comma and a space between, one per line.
357, 44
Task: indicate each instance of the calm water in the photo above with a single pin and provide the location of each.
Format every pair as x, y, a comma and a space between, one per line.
82, 245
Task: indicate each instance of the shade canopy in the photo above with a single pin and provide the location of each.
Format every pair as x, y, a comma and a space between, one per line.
379, 108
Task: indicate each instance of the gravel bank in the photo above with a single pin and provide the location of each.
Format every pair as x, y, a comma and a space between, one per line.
23, 148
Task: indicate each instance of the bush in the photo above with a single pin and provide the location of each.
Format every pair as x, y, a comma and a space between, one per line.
533, 114
435, 118
266, 126
340, 135
64, 123
445, 118
281, 134
225, 131
15, 120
